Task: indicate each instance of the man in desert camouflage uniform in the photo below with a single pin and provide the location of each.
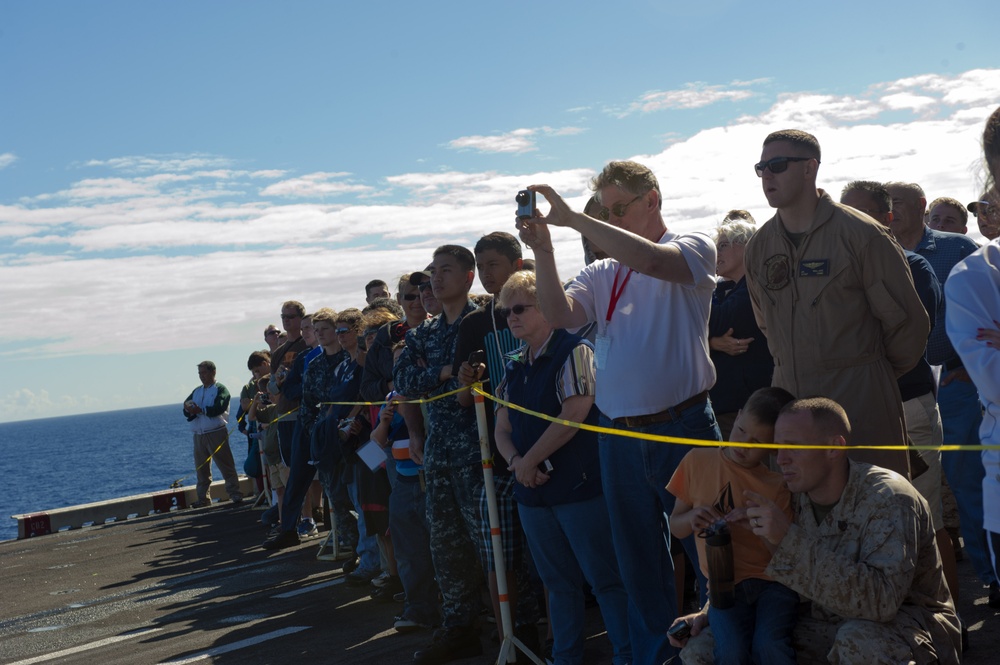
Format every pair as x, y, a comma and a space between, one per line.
450, 455
861, 550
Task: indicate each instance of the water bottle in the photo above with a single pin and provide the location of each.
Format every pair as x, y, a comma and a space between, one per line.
719, 556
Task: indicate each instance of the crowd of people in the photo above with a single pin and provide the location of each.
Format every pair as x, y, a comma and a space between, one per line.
869, 325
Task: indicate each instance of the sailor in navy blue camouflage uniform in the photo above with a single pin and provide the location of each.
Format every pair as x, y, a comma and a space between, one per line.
449, 453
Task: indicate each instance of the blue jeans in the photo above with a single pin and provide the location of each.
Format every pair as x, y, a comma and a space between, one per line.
635, 474
412, 545
758, 628
287, 434
961, 415
369, 560
569, 543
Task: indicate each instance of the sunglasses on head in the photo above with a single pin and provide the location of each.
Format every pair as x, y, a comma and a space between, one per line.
618, 210
777, 164
411, 296
505, 312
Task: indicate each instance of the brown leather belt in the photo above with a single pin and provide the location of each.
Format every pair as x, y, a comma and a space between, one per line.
665, 416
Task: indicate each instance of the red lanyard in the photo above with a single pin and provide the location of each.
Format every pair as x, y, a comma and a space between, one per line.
616, 293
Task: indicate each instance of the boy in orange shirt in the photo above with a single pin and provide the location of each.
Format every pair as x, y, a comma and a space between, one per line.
709, 485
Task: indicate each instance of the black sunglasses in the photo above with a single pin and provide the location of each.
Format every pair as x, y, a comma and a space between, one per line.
411, 296
423, 286
505, 312
618, 210
777, 164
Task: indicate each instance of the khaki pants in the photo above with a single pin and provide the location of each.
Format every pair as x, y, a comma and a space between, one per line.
205, 447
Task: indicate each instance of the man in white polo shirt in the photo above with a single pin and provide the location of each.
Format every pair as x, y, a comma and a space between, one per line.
651, 302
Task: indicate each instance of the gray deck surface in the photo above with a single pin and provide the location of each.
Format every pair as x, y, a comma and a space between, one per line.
196, 584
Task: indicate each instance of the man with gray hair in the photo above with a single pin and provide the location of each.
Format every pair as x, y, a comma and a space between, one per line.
958, 399
651, 302
832, 293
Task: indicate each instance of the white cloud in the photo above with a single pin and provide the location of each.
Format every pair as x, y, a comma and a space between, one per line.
519, 140
175, 162
6, 159
516, 141
153, 241
315, 184
691, 96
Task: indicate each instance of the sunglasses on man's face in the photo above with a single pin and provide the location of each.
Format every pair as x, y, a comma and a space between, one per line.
423, 286
618, 210
505, 312
777, 164
984, 209
343, 331
411, 296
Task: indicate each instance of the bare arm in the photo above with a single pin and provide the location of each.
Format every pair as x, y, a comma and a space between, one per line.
559, 309
414, 420
687, 519
574, 409
664, 262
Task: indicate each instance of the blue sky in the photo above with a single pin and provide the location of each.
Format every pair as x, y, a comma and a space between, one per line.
171, 172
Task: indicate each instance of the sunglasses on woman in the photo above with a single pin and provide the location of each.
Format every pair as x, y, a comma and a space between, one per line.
505, 312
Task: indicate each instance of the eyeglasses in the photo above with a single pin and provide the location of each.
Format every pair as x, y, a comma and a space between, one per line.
984, 209
777, 164
505, 312
411, 296
290, 316
423, 286
270, 332
618, 210
343, 331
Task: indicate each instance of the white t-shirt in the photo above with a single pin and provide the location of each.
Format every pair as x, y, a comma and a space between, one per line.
658, 333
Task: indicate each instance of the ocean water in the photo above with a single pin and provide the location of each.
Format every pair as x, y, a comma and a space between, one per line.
58, 462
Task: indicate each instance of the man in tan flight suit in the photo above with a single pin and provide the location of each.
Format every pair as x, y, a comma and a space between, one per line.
832, 292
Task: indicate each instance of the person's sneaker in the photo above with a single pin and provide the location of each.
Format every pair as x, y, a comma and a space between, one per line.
282, 540
387, 592
201, 503
360, 577
307, 529
380, 579
403, 625
994, 600
237, 499
450, 644
400, 597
